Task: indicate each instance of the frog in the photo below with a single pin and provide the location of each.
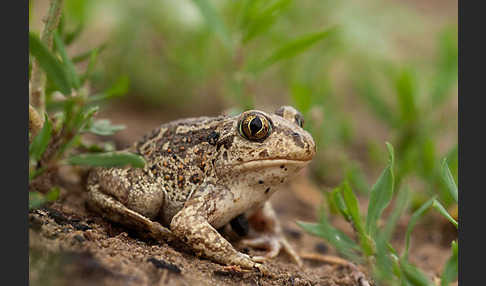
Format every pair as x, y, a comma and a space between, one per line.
204, 173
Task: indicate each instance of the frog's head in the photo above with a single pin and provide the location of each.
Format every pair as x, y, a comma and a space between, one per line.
266, 148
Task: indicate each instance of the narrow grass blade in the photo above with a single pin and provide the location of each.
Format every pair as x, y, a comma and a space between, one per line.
413, 221
370, 93
214, 21
41, 141
380, 195
399, 207
406, 89
49, 63
353, 210
68, 64
109, 159
414, 275
449, 180
263, 21
103, 127
447, 66
451, 268
119, 88
439, 207
337, 201
93, 57
292, 49
86, 55
36, 200
337, 239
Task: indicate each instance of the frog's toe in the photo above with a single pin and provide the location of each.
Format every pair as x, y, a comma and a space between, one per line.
272, 244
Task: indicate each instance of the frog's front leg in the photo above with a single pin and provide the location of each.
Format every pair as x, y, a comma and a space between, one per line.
271, 238
193, 224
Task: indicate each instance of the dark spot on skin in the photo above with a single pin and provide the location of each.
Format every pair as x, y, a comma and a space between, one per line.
213, 138
280, 111
260, 182
225, 155
299, 119
285, 169
174, 157
195, 178
297, 139
239, 159
226, 142
282, 166
263, 154
283, 180
267, 190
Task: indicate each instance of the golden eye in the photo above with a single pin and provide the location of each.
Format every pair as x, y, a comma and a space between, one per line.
255, 127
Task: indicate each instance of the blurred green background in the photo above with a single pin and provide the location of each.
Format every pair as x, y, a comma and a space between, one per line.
361, 72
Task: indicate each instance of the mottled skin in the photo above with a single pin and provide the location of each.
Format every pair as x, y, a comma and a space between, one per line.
201, 173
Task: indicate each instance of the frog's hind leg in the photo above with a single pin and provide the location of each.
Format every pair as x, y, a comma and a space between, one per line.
271, 238
112, 209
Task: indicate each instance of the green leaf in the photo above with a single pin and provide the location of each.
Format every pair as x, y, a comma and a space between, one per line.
447, 67
380, 195
353, 209
69, 38
263, 21
36, 200
336, 238
48, 62
370, 93
438, 206
451, 268
338, 202
83, 117
414, 275
413, 221
449, 180
120, 87
406, 88
301, 96
214, 21
399, 207
53, 194
107, 160
357, 179
88, 54
103, 127
40, 142
91, 65
292, 49
68, 64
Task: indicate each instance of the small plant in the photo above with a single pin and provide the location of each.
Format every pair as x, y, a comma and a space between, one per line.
413, 112
372, 245
56, 86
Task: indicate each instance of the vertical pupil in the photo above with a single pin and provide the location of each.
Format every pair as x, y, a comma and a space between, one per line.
255, 125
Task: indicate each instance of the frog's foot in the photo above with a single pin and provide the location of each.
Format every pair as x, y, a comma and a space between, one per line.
273, 244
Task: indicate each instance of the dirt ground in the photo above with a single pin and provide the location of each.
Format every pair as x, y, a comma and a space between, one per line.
72, 245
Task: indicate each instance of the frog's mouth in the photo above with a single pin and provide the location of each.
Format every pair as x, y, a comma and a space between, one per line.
269, 163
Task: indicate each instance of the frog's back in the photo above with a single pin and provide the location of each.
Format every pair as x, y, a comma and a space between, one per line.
179, 157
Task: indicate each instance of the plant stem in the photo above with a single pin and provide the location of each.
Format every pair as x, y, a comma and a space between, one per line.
38, 78
35, 122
